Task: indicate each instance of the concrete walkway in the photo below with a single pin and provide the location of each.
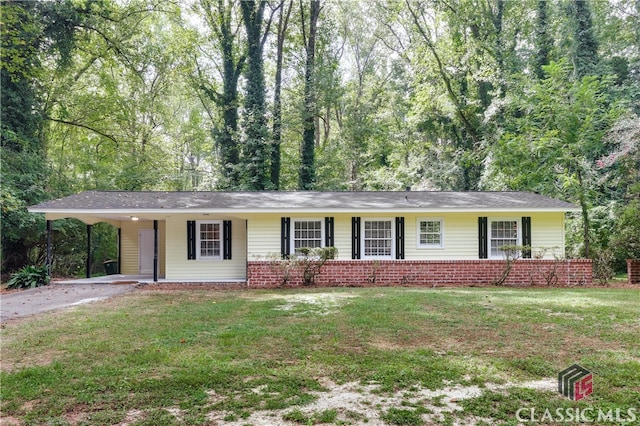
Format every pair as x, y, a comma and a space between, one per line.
56, 296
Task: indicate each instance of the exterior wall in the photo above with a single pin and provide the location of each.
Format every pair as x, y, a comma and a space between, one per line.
265, 274
460, 234
547, 235
129, 246
182, 269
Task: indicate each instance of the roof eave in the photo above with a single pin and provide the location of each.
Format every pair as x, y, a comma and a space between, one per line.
302, 210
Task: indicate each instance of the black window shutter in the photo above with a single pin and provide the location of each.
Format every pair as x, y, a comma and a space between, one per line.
285, 236
355, 238
191, 239
226, 240
328, 232
482, 238
526, 237
399, 237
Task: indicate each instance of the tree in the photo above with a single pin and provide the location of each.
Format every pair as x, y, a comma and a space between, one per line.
584, 52
543, 42
283, 23
33, 34
220, 16
553, 147
307, 175
256, 153
128, 120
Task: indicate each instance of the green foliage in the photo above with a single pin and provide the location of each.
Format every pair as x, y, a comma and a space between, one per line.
256, 152
429, 95
584, 52
557, 140
404, 416
625, 241
29, 277
37, 38
542, 40
323, 417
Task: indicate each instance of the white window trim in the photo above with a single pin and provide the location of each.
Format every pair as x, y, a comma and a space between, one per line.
490, 220
292, 244
430, 246
198, 246
393, 236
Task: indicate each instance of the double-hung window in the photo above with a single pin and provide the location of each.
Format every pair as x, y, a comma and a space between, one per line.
307, 233
378, 238
209, 240
503, 236
430, 233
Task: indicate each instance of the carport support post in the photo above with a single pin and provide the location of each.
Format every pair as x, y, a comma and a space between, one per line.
155, 251
119, 248
48, 259
89, 254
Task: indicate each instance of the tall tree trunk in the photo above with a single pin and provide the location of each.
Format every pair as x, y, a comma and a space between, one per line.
585, 45
586, 224
283, 23
219, 17
307, 167
542, 40
255, 149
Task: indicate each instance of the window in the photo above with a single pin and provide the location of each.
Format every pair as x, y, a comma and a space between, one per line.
378, 238
209, 240
503, 232
430, 233
307, 233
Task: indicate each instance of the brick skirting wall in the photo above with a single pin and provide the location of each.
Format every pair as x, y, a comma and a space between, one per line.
633, 271
271, 274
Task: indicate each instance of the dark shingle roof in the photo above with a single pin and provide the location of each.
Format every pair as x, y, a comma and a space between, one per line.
276, 201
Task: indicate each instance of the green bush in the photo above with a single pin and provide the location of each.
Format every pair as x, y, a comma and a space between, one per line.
29, 277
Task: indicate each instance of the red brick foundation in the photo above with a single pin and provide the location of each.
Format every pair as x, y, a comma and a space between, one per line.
633, 271
267, 274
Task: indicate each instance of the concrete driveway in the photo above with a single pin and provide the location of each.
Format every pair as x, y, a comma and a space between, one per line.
56, 296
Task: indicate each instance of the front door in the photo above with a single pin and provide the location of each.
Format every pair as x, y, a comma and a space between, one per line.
145, 251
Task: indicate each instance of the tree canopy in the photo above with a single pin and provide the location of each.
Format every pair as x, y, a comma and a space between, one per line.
321, 94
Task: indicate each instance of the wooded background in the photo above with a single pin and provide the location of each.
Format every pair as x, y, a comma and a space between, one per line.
209, 95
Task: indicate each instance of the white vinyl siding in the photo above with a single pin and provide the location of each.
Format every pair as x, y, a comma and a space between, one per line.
129, 246
181, 268
460, 233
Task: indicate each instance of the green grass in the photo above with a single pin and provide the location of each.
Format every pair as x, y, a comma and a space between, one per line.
238, 353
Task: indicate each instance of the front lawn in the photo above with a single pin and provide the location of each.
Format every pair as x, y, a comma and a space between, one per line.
321, 356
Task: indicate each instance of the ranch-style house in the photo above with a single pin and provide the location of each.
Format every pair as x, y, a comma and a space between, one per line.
381, 237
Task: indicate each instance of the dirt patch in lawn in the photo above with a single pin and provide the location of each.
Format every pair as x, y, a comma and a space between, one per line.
361, 404
30, 359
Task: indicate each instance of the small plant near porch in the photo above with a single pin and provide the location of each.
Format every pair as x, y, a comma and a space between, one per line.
29, 277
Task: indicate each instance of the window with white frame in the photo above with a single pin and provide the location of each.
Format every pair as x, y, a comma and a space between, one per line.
378, 238
502, 233
209, 240
430, 233
307, 233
